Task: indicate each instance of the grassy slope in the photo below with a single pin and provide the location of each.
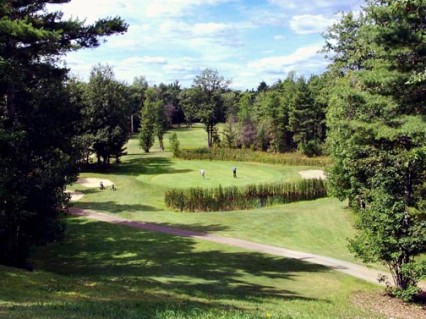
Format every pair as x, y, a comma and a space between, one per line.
110, 271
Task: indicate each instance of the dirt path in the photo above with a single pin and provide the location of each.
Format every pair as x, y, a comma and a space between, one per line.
348, 268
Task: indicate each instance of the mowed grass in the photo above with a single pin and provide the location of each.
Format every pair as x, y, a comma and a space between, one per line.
321, 226
111, 271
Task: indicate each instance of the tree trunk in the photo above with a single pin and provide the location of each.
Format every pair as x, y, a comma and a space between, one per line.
10, 101
209, 136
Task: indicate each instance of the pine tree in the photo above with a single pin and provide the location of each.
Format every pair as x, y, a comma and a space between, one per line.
378, 135
38, 121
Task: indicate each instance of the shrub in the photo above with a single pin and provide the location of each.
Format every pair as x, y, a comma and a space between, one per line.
174, 144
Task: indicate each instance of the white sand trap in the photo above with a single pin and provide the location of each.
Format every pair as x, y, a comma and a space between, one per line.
94, 182
75, 196
313, 173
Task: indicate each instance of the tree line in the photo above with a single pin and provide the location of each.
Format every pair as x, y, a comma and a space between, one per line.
284, 117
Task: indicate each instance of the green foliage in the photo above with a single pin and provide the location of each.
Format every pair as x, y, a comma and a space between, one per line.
305, 121
208, 87
174, 144
107, 114
149, 114
229, 134
251, 196
377, 133
40, 120
246, 155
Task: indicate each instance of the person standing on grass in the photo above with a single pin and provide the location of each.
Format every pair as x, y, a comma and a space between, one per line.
101, 185
234, 171
203, 173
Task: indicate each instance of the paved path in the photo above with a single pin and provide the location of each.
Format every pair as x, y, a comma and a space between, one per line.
348, 268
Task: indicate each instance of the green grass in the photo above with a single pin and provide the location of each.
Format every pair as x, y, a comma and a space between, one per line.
320, 226
111, 271
194, 137
183, 174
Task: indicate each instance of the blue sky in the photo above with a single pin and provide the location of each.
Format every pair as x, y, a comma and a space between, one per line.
247, 41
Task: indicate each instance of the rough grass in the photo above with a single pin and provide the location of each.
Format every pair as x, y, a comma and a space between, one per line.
111, 271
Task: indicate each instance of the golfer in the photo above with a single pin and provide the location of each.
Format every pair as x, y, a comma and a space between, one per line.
203, 173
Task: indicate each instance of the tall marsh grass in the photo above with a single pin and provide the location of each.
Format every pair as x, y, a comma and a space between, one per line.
246, 155
252, 196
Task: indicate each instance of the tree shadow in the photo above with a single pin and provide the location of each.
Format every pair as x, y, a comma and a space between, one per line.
114, 208
196, 227
134, 259
147, 166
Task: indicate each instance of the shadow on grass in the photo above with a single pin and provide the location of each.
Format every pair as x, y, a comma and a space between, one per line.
200, 228
114, 208
110, 271
141, 260
147, 166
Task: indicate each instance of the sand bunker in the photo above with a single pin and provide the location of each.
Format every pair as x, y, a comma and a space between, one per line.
94, 182
75, 196
313, 173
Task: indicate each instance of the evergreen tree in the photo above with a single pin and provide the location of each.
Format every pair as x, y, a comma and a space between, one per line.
38, 121
305, 121
378, 135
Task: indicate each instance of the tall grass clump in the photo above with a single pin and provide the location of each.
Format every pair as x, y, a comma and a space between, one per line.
197, 199
246, 155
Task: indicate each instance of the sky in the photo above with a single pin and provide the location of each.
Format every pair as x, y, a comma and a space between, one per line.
246, 41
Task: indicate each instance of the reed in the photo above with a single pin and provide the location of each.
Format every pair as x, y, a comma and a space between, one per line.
197, 199
246, 155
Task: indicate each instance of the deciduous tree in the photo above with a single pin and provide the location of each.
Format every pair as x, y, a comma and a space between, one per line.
209, 86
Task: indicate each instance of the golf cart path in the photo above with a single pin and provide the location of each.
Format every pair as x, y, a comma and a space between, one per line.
348, 268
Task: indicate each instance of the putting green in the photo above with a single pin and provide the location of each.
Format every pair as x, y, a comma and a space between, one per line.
184, 174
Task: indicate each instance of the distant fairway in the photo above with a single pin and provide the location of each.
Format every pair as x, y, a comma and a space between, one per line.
183, 174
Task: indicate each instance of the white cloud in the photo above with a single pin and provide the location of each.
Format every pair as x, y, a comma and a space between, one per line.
309, 24
275, 64
145, 60
175, 8
279, 37
198, 35
316, 5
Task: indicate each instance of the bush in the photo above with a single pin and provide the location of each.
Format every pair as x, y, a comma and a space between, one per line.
174, 144
246, 155
252, 196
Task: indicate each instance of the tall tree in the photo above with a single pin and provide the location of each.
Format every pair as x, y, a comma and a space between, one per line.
305, 120
147, 130
108, 112
209, 86
189, 101
38, 157
136, 96
378, 135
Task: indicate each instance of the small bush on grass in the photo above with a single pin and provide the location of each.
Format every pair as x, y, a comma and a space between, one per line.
246, 155
252, 196
174, 144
